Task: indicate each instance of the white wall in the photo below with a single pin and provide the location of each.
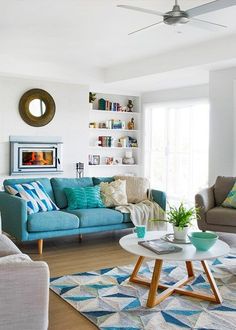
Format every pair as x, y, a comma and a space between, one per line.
70, 121
222, 123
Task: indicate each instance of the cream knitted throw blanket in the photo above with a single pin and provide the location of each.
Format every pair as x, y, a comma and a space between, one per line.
142, 212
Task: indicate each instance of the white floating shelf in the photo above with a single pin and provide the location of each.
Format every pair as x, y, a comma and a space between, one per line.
118, 165
115, 112
95, 147
113, 129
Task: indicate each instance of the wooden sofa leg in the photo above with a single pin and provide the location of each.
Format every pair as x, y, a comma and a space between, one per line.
40, 246
80, 238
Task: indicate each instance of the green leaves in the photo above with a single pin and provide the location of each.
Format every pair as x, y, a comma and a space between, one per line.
181, 216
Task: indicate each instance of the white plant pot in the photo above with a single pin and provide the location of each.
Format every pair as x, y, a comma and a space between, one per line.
90, 106
180, 233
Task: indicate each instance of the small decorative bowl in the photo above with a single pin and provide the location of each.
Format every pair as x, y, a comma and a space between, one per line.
203, 241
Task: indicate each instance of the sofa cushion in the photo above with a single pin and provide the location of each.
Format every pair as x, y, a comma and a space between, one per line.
98, 217
83, 198
44, 181
7, 247
59, 184
136, 188
97, 181
222, 187
35, 195
221, 216
114, 193
53, 220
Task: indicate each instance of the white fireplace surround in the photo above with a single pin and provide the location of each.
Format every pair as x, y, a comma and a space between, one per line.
44, 154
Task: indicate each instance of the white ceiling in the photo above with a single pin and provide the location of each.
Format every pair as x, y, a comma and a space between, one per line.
72, 36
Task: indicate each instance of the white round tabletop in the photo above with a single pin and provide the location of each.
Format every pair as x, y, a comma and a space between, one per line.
188, 253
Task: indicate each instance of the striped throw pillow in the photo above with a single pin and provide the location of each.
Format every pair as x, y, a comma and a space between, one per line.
83, 198
35, 195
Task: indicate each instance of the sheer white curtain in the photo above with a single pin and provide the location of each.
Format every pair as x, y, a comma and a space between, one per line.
176, 148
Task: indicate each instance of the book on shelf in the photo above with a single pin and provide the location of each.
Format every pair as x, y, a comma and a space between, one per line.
160, 247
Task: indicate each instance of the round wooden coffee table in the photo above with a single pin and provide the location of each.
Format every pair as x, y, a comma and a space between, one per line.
188, 254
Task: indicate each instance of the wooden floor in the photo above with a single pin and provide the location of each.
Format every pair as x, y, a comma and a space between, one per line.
67, 256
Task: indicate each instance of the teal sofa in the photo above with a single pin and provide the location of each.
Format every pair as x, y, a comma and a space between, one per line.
42, 225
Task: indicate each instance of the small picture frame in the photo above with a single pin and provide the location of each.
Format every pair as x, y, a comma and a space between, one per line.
96, 160
109, 160
117, 161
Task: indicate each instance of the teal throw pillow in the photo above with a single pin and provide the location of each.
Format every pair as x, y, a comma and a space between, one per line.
83, 198
230, 200
35, 195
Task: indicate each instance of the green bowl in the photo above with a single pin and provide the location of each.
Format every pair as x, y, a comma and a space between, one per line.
202, 241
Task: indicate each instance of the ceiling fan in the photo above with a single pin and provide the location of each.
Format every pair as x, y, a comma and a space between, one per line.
176, 16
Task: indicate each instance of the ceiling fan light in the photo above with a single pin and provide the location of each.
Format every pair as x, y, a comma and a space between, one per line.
174, 18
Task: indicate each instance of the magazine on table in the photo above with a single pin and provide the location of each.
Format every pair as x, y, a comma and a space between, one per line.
160, 247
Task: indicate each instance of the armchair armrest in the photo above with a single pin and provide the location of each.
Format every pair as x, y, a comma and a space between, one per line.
24, 288
205, 201
14, 215
159, 197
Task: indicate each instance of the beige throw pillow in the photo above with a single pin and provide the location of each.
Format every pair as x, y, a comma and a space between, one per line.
114, 193
136, 188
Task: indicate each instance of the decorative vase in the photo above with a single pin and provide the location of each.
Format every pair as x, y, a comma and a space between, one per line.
90, 106
180, 233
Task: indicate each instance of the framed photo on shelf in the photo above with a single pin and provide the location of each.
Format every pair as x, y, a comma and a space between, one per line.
117, 161
96, 160
109, 160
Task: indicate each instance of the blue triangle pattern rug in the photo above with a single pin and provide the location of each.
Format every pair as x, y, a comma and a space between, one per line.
111, 302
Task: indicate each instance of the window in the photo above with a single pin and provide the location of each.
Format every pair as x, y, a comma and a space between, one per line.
176, 148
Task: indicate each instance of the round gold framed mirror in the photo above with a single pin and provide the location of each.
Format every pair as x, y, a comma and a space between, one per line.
37, 107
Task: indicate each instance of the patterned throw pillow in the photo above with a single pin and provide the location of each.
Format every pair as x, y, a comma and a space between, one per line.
83, 198
36, 196
114, 193
230, 200
136, 188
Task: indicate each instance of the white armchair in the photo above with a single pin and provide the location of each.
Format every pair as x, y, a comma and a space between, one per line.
24, 289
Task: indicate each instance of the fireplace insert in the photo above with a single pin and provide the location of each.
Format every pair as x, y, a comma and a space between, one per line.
35, 156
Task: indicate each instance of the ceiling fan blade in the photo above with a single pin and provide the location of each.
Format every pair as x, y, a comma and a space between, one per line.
209, 7
143, 10
144, 28
203, 22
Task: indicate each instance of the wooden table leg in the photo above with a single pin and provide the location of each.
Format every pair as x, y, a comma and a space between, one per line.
136, 269
189, 267
154, 283
212, 282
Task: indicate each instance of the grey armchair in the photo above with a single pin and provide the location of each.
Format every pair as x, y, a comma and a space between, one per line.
212, 215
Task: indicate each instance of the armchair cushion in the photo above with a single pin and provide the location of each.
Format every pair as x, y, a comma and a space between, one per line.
230, 200
221, 216
222, 187
7, 247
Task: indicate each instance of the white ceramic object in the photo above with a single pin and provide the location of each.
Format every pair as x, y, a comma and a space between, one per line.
180, 233
188, 253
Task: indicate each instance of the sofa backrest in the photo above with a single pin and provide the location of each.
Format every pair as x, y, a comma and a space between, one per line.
59, 184
44, 181
222, 187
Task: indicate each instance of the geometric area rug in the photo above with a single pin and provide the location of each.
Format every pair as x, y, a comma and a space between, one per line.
111, 302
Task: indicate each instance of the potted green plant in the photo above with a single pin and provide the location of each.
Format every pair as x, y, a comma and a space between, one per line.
181, 218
